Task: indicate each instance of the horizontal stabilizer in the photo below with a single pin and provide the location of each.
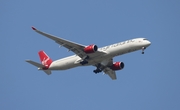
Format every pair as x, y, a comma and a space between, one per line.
35, 63
48, 72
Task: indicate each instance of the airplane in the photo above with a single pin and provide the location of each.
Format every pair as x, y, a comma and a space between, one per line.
101, 58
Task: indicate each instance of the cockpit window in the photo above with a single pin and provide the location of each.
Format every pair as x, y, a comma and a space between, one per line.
145, 39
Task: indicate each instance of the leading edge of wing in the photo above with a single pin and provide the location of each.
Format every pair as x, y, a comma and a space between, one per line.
58, 40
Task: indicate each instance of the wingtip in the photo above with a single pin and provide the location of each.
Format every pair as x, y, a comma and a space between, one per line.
33, 28
27, 60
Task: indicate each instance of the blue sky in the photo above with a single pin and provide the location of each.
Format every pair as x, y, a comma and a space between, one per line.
148, 82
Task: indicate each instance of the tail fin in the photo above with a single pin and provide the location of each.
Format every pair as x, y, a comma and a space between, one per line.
45, 59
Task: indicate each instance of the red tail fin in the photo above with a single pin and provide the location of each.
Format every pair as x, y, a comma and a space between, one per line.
45, 59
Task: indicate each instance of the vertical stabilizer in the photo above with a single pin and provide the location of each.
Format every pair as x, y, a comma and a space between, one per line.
45, 59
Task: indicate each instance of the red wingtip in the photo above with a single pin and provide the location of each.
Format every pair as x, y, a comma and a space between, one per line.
33, 28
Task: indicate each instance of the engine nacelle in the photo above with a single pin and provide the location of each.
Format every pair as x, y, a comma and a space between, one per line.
117, 66
91, 49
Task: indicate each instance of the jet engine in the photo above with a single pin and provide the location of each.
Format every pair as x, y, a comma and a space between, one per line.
90, 49
117, 66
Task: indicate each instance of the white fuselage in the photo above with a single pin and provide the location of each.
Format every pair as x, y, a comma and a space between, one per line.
111, 51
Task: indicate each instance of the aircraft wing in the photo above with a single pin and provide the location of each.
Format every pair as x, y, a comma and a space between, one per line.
110, 72
78, 49
105, 67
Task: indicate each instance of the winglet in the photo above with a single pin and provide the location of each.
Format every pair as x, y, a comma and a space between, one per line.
33, 28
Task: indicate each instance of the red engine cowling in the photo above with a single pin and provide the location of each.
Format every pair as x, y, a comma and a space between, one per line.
91, 49
117, 66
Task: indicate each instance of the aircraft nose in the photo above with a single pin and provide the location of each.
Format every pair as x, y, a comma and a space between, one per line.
149, 43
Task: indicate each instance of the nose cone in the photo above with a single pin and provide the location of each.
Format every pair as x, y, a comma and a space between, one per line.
148, 43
